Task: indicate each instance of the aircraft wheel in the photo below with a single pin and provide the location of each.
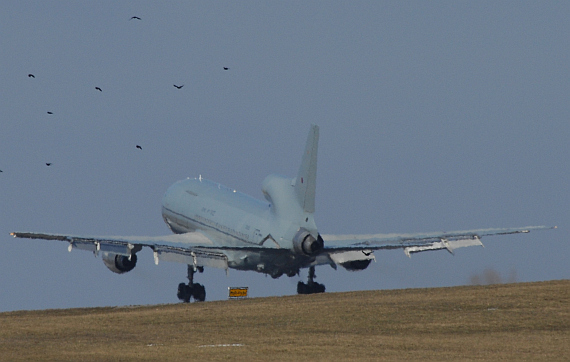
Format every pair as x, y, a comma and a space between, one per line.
313, 288
318, 288
199, 292
184, 293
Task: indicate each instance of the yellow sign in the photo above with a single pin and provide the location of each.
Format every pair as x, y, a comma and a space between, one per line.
237, 292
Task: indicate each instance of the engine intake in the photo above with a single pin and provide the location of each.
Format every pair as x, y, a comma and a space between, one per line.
119, 263
305, 243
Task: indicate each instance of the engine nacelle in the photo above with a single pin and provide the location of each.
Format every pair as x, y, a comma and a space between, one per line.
356, 265
119, 263
305, 243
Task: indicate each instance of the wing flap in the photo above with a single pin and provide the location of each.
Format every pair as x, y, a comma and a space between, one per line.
449, 245
202, 258
96, 247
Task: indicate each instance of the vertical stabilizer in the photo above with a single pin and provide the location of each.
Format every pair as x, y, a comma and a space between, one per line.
306, 181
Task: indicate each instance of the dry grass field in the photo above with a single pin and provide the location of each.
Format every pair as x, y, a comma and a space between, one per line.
524, 321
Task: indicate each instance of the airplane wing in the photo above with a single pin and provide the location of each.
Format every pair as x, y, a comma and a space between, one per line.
193, 248
415, 243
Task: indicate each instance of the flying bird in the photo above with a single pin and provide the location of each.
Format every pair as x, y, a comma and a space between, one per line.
99, 89
139, 147
50, 112
31, 75
179, 86
135, 17
226, 68
48, 164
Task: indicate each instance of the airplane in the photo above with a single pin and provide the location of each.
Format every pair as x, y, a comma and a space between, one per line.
216, 226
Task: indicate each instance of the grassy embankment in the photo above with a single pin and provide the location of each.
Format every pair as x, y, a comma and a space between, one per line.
509, 321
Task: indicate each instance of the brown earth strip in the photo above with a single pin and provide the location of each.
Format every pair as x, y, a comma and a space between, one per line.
523, 321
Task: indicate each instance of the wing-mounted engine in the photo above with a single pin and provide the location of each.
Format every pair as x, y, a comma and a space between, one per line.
119, 263
353, 260
356, 265
305, 243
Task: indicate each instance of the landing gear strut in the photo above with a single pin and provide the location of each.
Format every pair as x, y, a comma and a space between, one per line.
311, 286
192, 290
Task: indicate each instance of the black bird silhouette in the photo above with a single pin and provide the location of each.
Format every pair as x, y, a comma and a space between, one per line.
99, 89
178, 86
135, 17
139, 147
226, 68
50, 112
31, 75
48, 163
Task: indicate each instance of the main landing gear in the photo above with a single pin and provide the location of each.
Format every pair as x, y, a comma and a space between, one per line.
311, 286
192, 290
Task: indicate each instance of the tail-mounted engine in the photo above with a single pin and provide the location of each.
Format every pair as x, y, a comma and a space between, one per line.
305, 243
119, 263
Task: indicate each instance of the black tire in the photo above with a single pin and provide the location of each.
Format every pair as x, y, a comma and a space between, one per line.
199, 292
318, 288
184, 293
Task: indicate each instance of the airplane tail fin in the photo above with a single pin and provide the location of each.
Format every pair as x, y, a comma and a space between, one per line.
306, 181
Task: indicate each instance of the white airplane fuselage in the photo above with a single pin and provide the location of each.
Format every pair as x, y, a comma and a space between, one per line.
235, 219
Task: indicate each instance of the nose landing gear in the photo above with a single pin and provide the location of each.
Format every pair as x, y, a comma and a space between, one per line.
191, 290
311, 287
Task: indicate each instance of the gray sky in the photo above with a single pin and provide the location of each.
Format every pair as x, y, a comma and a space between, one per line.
433, 116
